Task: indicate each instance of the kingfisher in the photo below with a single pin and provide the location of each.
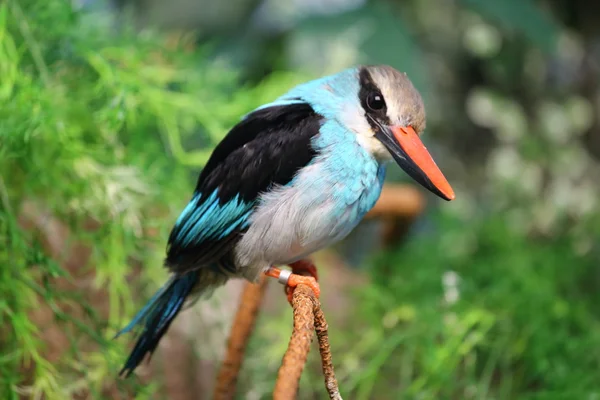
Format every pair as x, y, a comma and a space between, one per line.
292, 177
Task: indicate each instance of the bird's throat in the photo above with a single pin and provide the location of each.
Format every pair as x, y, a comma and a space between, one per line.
374, 147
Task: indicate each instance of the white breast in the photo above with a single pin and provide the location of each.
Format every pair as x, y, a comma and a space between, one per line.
294, 221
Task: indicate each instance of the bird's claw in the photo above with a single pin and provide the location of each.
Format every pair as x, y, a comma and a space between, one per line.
291, 279
295, 280
305, 267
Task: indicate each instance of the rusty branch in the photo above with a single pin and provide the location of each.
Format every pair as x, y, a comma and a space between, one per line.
308, 317
241, 330
398, 200
322, 336
288, 378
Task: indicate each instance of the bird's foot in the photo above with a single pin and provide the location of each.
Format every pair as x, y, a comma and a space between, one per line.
295, 280
291, 280
302, 269
305, 267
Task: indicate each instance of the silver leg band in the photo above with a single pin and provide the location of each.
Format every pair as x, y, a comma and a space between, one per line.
284, 276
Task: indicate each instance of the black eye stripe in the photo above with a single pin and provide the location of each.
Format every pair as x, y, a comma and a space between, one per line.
375, 109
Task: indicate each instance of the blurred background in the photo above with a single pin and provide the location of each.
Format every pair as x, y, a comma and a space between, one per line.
110, 108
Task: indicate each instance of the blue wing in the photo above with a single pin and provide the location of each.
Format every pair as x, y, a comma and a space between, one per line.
266, 148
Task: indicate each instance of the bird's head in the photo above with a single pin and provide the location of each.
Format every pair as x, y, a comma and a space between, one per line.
395, 115
385, 111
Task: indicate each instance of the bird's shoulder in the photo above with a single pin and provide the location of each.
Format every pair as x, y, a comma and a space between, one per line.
267, 147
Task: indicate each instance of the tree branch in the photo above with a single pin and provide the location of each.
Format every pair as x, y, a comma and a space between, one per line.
241, 330
322, 336
308, 317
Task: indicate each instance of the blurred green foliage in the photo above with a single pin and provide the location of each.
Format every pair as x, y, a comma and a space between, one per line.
490, 313
93, 131
487, 312
495, 297
521, 16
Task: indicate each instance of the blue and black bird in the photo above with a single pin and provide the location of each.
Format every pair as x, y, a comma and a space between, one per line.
292, 177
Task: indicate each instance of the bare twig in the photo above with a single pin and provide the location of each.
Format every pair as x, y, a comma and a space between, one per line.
398, 200
241, 331
321, 328
308, 316
288, 378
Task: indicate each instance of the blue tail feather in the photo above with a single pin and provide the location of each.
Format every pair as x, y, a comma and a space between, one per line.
156, 317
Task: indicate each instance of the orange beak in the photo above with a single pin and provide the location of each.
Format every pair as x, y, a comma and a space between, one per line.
412, 156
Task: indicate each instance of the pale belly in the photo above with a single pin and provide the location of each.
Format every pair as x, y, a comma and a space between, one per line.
314, 212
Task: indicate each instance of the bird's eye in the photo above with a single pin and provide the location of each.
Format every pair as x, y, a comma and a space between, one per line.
375, 101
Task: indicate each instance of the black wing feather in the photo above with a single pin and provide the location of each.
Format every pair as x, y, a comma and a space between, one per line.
266, 148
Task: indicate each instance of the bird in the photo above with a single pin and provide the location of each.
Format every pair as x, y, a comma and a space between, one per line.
291, 177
